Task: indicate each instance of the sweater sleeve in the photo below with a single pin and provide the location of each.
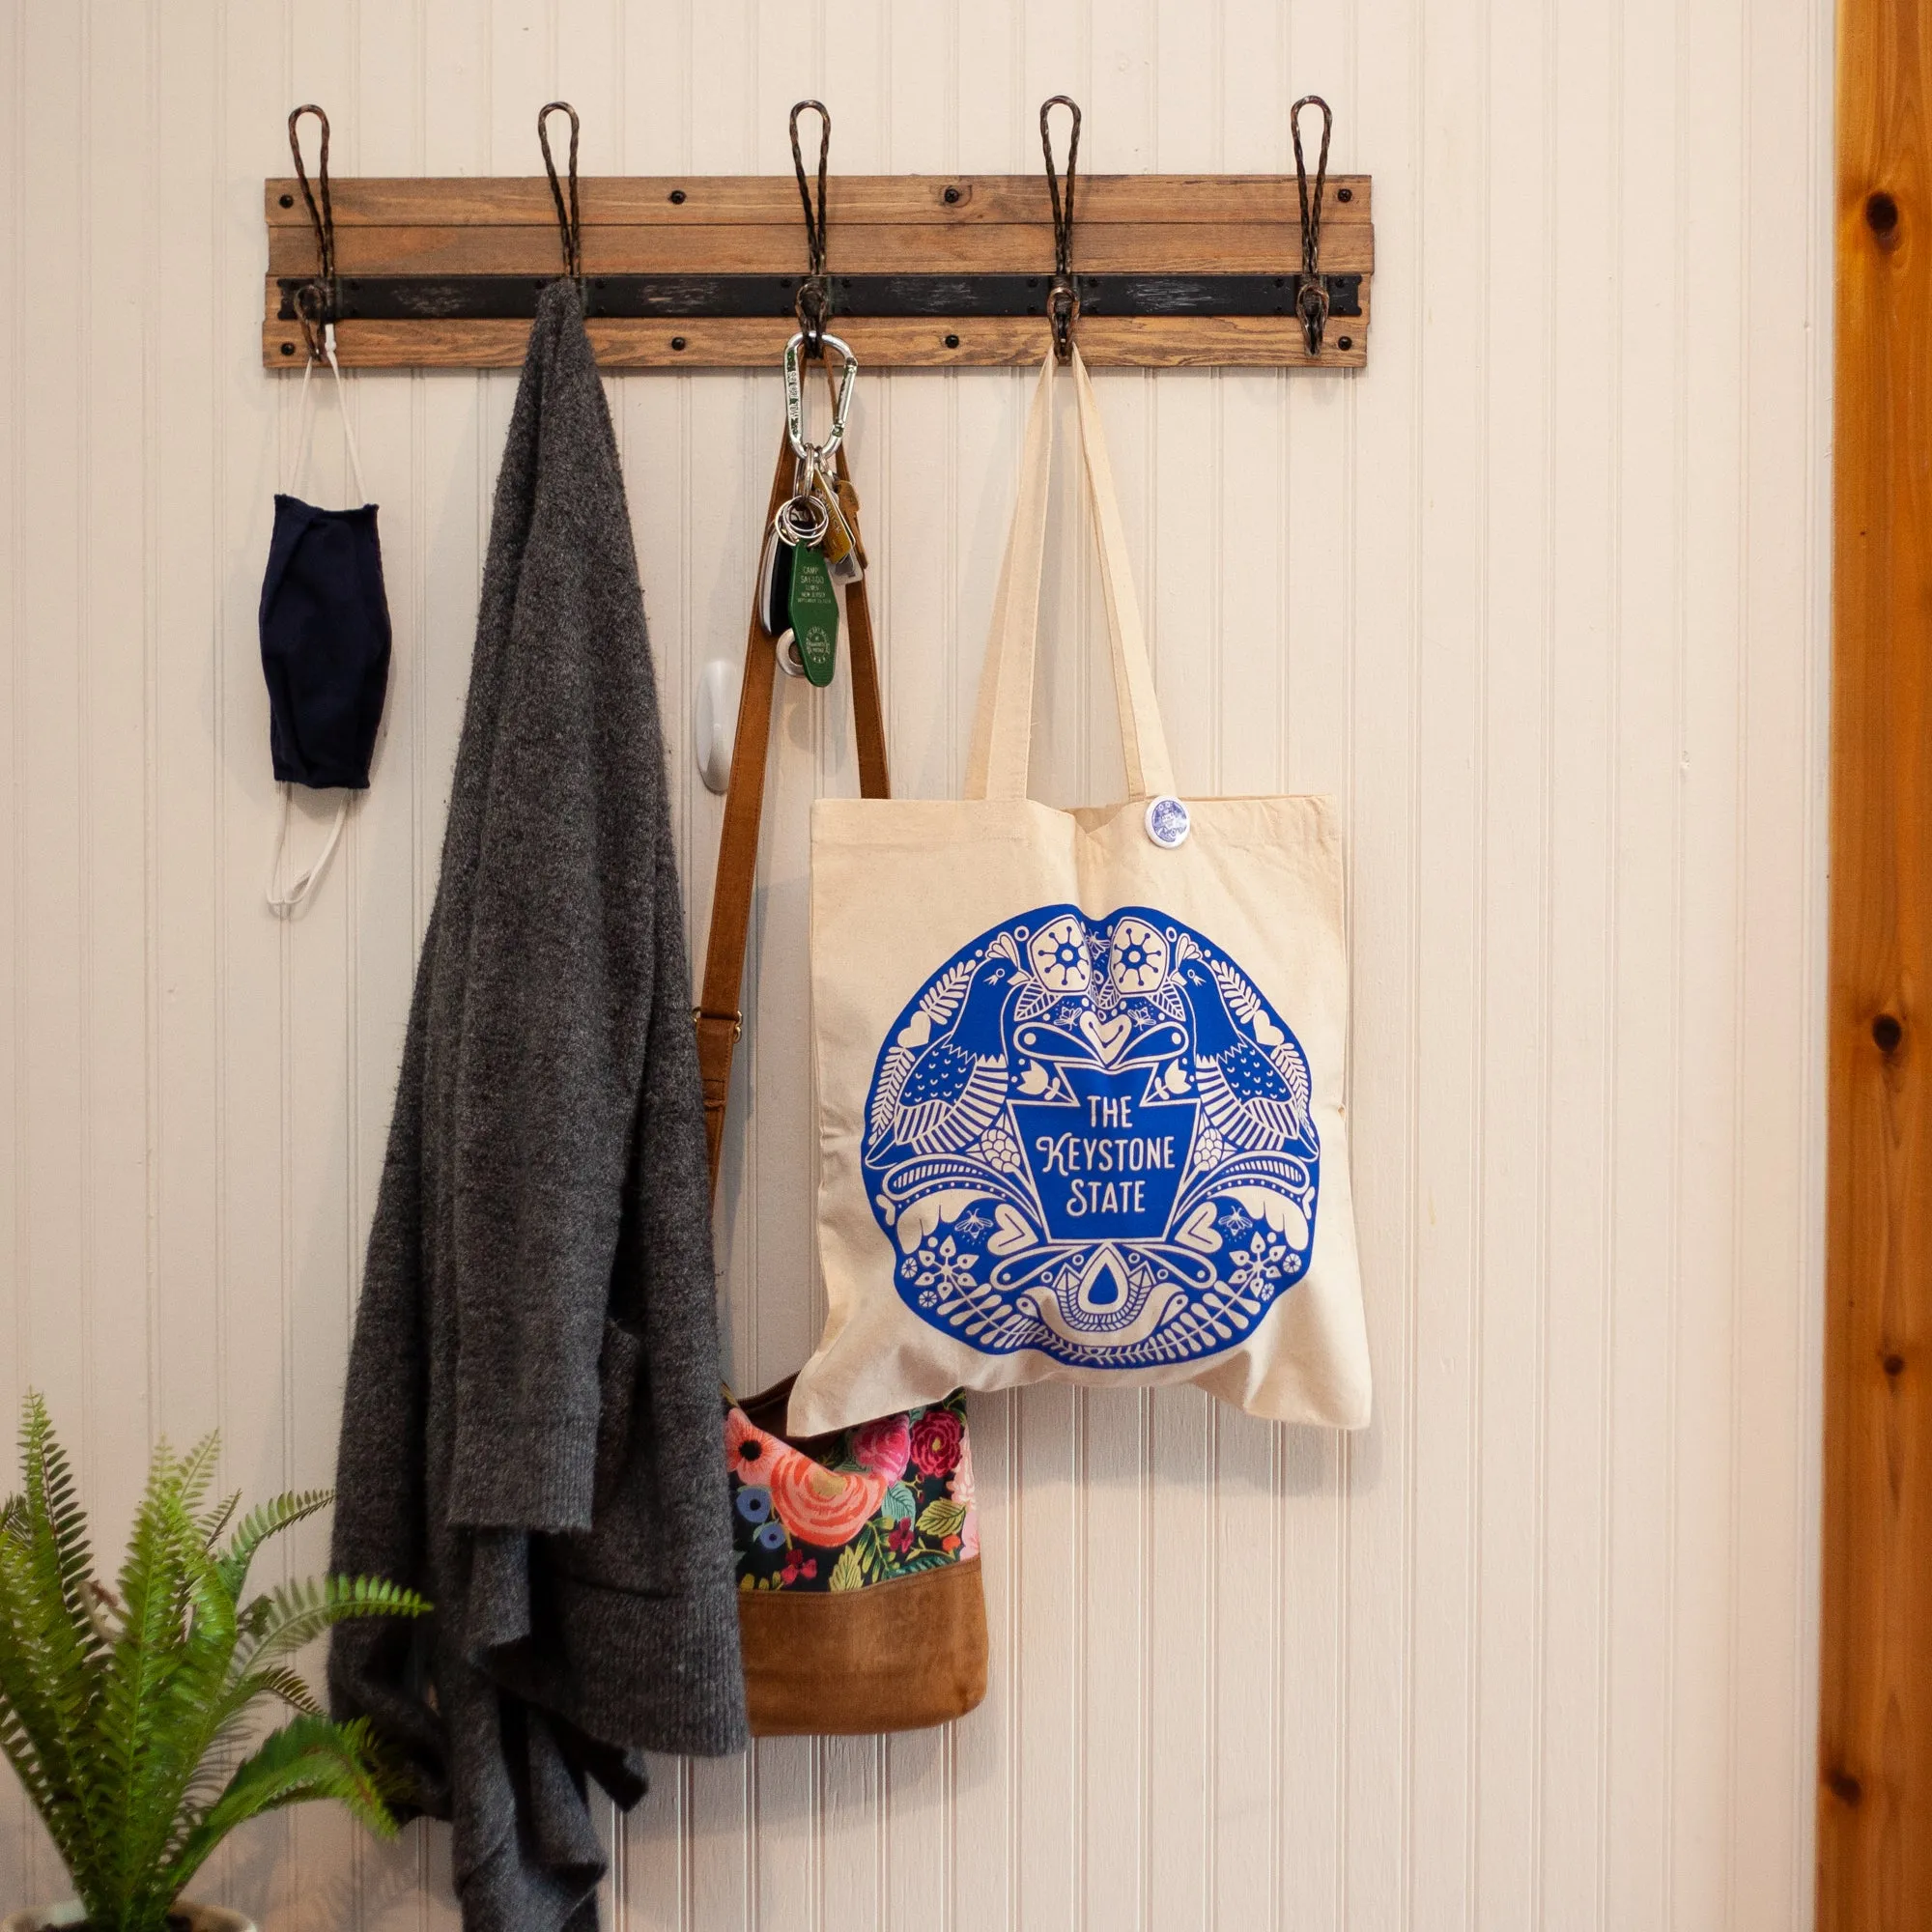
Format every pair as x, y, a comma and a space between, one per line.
376, 1666
557, 994
677, 1290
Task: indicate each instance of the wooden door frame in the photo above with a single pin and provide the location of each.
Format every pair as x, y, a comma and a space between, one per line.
1875, 1692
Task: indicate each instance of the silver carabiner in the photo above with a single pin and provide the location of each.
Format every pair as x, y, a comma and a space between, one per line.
794, 382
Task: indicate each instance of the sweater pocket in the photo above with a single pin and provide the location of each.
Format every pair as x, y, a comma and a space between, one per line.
618, 1366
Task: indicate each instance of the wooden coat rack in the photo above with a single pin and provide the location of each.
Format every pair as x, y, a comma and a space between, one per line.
925, 272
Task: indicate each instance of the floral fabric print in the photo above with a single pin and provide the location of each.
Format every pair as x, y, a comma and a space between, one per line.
889, 1499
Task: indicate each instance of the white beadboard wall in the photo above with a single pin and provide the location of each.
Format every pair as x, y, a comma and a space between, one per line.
1541, 597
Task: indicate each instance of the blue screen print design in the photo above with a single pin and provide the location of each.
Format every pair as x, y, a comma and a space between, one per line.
1092, 1137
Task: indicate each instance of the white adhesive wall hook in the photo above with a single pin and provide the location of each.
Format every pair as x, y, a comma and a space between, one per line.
714, 721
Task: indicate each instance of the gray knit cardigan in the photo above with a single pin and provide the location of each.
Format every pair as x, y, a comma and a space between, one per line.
531, 1430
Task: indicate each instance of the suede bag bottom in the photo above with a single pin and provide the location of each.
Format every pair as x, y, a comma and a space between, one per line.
899, 1656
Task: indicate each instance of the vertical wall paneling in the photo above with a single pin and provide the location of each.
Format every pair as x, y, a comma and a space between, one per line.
17, 1836
1537, 600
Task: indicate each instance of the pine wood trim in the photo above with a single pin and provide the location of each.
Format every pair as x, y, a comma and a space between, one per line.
1875, 1736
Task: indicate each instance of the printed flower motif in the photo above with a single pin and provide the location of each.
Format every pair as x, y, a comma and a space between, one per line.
1137, 959
824, 1506
936, 1436
802, 1525
748, 1452
1260, 1263
883, 1447
999, 1150
1058, 953
960, 1489
943, 1266
960, 1484
1208, 1149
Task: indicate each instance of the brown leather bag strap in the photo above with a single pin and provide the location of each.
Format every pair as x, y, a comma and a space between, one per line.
869, 717
718, 1016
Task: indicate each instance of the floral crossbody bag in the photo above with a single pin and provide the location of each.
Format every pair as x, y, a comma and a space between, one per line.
860, 1605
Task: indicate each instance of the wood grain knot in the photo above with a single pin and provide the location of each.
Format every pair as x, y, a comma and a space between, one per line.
1882, 217
1893, 1364
1887, 1030
1843, 1786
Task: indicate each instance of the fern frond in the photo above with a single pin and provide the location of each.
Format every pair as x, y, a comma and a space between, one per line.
195, 1471
309, 1757
233, 1723
215, 1520
233, 1726
50, 1678
194, 1701
168, 1669
20, 1754
264, 1520
37, 1747
279, 1681
297, 1613
53, 1509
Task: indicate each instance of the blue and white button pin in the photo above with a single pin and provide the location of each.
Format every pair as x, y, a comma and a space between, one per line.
1167, 823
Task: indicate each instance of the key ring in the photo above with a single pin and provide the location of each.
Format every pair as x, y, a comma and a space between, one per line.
802, 521
794, 382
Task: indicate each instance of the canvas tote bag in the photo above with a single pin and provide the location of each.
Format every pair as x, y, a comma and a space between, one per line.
1081, 1072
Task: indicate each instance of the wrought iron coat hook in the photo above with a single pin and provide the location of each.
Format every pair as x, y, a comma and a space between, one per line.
315, 302
570, 224
1311, 296
813, 305
1063, 301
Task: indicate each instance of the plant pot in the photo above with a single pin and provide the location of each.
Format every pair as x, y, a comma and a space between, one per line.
200, 1919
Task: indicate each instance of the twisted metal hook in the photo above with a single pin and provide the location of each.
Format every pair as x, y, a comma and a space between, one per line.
813, 304
315, 300
1063, 301
570, 225
1311, 296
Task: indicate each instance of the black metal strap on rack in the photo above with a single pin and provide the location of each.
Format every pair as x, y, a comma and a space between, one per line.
752, 297
1063, 302
314, 302
570, 224
813, 304
1312, 300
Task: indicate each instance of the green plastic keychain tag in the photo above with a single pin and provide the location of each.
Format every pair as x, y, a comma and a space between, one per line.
814, 613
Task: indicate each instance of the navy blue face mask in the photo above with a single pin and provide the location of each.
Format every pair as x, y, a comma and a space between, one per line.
324, 626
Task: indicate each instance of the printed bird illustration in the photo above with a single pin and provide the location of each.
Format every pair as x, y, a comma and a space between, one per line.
958, 1083
1242, 1091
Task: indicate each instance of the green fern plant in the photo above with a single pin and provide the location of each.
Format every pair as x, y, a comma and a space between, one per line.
125, 1712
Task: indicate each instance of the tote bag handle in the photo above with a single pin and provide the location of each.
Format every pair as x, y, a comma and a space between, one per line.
1003, 723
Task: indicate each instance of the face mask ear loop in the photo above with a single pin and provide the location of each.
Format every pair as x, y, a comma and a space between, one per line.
341, 403
285, 904
294, 470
